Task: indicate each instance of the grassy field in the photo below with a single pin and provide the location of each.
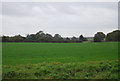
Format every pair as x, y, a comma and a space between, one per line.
65, 60
56, 70
24, 53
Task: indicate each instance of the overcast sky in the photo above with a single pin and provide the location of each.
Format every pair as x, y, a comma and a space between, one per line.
65, 18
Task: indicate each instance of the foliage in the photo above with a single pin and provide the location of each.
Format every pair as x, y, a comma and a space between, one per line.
74, 38
57, 70
39, 37
45, 37
81, 38
99, 37
113, 36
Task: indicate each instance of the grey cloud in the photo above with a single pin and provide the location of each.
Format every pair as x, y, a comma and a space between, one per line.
68, 19
26, 9
15, 9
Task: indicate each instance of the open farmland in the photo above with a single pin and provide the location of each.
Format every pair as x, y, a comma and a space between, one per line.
24, 53
60, 60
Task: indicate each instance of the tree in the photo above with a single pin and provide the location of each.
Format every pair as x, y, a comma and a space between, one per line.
57, 37
49, 37
0, 39
40, 37
40, 32
17, 38
30, 38
99, 37
5, 38
67, 39
74, 39
113, 36
81, 38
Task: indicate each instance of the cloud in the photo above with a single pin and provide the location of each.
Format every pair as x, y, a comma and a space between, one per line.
65, 18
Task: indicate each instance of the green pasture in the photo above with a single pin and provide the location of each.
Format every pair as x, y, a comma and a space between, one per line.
33, 53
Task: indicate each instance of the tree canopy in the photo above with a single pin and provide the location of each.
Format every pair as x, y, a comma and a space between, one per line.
46, 37
113, 36
99, 37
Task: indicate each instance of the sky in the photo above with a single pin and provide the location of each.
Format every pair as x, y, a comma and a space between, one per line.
65, 18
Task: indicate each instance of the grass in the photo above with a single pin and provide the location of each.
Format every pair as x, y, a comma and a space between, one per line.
60, 60
56, 70
24, 53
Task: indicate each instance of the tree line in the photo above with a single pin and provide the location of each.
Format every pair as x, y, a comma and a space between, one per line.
45, 37
112, 36
42, 37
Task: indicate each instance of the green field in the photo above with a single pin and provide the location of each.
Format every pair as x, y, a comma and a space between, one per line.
25, 53
60, 60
